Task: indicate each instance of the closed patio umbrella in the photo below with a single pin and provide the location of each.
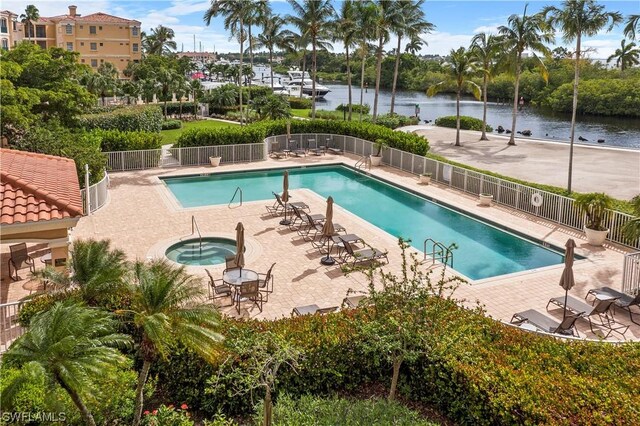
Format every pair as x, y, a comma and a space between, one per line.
285, 197
240, 246
327, 231
566, 280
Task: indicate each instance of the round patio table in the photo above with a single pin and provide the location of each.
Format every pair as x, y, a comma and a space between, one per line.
236, 278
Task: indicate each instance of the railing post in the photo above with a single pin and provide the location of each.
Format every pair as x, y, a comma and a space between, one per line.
122, 160
481, 191
464, 184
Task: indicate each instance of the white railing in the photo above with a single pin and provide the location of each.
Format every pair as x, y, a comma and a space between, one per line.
631, 273
10, 329
98, 194
553, 207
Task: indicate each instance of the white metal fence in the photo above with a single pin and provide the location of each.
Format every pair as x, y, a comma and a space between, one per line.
10, 329
547, 205
631, 273
98, 194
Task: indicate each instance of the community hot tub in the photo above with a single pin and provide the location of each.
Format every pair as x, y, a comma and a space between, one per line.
201, 252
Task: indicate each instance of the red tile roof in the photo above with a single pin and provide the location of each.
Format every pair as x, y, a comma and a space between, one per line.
94, 17
36, 187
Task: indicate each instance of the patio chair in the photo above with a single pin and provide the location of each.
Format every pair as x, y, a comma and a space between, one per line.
546, 324
265, 282
312, 309
278, 207
249, 291
303, 221
601, 310
362, 255
354, 301
218, 289
276, 152
317, 150
623, 300
20, 258
298, 150
230, 263
314, 234
331, 149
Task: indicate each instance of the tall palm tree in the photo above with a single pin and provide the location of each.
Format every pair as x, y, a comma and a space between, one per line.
274, 36
388, 19
345, 31
235, 14
195, 87
167, 308
71, 346
460, 66
366, 13
412, 22
486, 49
632, 27
578, 18
415, 44
31, 14
300, 48
255, 16
312, 17
181, 89
626, 56
166, 77
160, 41
526, 32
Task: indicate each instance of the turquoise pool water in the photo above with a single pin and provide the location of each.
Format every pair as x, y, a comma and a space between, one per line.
208, 251
483, 250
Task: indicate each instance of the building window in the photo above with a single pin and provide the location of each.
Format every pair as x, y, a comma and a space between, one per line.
100, 28
101, 44
82, 60
41, 31
70, 46
5, 44
81, 27
82, 43
92, 29
121, 44
135, 47
42, 44
101, 60
94, 63
3, 26
94, 46
134, 31
69, 29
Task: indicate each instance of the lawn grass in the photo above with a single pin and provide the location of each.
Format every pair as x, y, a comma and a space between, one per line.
170, 136
322, 113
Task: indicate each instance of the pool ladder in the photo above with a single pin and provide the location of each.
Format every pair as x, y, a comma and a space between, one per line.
194, 228
364, 161
238, 191
439, 252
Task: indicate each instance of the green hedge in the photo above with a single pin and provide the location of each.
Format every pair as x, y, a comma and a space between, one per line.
146, 118
173, 108
257, 132
466, 123
478, 371
355, 108
299, 103
171, 124
115, 140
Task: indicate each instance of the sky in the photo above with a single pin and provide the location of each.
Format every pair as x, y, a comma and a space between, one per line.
456, 21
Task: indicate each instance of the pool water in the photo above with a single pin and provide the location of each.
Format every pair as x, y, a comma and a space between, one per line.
213, 251
483, 250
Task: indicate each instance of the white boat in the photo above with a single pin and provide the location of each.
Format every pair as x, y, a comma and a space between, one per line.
266, 82
301, 80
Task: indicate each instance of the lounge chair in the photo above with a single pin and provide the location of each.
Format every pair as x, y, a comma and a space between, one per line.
317, 150
218, 289
314, 234
20, 258
249, 291
265, 282
312, 309
623, 300
354, 301
278, 206
601, 310
546, 324
303, 221
362, 255
276, 152
297, 149
331, 149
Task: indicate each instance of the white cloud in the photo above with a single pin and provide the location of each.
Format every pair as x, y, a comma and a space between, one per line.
489, 29
441, 43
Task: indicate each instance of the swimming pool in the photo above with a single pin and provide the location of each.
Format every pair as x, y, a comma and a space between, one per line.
483, 250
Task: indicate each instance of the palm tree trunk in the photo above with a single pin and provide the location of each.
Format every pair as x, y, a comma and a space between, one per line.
395, 75
271, 66
378, 73
180, 114
458, 115
362, 84
512, 137
251, 62
485, 83
142, 379
349, 80
240, 70
165, 107
313, 77
304, 68
75, 397
397, 363
573, 111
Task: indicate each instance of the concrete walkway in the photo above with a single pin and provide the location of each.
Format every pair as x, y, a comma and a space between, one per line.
595, 169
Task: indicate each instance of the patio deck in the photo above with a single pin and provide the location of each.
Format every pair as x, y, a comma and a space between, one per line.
142, 218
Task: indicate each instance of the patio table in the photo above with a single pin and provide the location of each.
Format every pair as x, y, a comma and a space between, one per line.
236, 277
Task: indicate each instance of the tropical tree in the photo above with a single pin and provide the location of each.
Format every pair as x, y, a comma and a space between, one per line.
631, 229
181, 89
160, 41
70, 346
131, 89
255, 16
300, 49
366, 13
461, 66
312, 18
273, 36
485, 48
632, 27
345, 31
526, 32
195, 87
223, 96
387, 19
412, 23
166, 78
578, 18
273, 107
31, 14
236, 13
626, 56
167, 307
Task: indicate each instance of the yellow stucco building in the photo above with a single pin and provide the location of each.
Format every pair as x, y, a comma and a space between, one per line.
98, 37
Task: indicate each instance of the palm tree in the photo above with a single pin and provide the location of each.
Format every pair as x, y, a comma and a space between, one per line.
224, 96
195, 87
345, 31
167, 309
181, 89
160, 41
576, 19
524, 33
166, 77
631, 229
411, 22
485, 49
460, 66
366, 13
71, 346
255, 16
312, 18
235, 14
274, 36
633, 26
388, 19
626, 56
31, 14
300, 45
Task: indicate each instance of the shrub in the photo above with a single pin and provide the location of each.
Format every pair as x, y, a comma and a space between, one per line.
146, 118
173, 108
393, 121
116, 140
355, 108
299, 103
466, 123
42, 303
171, 124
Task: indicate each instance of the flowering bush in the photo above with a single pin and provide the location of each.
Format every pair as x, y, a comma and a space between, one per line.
168, 415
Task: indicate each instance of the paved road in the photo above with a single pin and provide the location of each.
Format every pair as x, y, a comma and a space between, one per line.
595, 169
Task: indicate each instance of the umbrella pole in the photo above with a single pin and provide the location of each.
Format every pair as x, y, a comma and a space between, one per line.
328, 260
285, 221
564, 311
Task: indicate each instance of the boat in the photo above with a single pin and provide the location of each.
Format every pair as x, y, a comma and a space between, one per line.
302, 81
